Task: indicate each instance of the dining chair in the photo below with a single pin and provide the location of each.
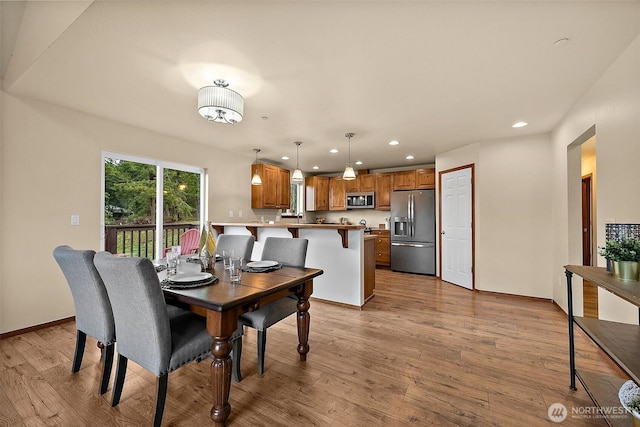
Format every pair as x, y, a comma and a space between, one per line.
94, 316
242, 245
146, 333
288, 251
189, 242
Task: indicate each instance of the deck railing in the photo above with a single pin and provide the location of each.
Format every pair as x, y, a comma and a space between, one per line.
140, 240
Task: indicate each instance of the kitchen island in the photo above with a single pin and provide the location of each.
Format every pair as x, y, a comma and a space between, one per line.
337, 249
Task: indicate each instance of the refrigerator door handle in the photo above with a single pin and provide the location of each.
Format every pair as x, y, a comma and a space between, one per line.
411, 216
413, 245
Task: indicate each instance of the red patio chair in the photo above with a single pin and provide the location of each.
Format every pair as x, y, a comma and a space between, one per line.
189, 243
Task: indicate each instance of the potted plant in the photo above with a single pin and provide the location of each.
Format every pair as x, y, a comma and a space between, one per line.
629, 396
624, 255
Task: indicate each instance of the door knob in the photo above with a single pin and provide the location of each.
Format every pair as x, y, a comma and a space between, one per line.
442, 232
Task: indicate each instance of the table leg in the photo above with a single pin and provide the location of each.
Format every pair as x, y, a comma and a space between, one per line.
221, 326
221, 379
304, 319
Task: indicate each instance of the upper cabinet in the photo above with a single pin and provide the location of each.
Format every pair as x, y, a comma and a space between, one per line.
337, 194
383, 190
367, 182
418, 179
274, 193
317, 193
364, 183
425, 179
404, 180
283, 190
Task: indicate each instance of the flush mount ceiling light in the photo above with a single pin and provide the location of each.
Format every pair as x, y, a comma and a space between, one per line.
349, 174
219, 104
255, 179
297, 174
519, 124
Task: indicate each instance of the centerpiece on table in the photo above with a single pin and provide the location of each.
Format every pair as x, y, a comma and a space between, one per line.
629, 396
624, 255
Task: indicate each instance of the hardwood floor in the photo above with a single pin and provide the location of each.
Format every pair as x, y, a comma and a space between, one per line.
422, 352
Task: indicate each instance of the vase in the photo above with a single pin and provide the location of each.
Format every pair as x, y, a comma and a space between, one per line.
626, 270
207, 250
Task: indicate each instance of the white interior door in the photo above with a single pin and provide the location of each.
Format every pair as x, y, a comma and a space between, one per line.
456, 234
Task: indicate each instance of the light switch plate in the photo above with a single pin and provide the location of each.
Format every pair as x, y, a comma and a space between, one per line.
75, 219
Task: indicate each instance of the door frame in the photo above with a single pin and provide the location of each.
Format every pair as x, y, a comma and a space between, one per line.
587, 219
473, 221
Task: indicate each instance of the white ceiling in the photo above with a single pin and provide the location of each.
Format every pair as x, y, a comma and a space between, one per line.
435, 75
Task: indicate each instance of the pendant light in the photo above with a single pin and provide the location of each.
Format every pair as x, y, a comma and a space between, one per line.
256, 180
349, 174
297, 174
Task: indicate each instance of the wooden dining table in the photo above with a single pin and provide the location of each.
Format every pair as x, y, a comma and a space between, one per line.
223, 302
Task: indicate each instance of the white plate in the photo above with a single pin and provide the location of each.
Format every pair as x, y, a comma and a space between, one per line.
190, 277
262, 264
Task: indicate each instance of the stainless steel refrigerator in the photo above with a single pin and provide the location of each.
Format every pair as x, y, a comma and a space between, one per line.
413, 231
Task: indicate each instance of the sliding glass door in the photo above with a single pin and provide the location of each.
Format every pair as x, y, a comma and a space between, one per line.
148, 204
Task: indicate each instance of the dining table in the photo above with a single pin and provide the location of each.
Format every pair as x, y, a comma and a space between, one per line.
223, 301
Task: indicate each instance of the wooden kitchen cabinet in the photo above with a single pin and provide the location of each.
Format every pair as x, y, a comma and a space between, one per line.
367, 182
383, 190
337, 194
369, 268
425, 179
317, 193
274, 193
364, 183
404, 180
383, 247
283, 190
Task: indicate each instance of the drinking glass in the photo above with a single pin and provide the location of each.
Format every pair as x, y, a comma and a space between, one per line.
227, 254
172, 263
235, 269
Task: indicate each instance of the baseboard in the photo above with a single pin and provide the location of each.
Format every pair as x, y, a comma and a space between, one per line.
36, 327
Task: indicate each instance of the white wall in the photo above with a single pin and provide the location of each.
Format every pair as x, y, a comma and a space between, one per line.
50, 169
612, 104
512, 213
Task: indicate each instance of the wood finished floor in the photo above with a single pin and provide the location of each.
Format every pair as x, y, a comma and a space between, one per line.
422, 352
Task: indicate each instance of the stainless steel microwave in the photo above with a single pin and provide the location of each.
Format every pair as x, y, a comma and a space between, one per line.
361, 200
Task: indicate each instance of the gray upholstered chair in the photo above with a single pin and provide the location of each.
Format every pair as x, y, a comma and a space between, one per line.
146, 333
93, 309
242, 245
291, 252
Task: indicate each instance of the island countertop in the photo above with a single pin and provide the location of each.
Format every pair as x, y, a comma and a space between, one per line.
292, 227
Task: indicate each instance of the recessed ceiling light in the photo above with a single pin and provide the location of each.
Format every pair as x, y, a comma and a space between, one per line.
264, 118
316, 167
409, 157
358, 162
519, 124
560, 42
394, 142
333, 151
285, 157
